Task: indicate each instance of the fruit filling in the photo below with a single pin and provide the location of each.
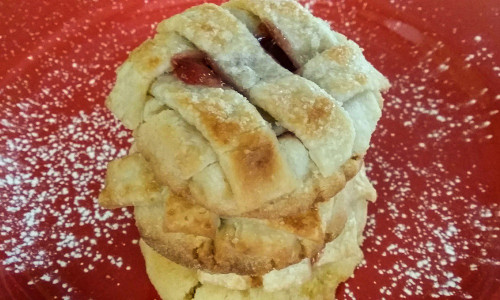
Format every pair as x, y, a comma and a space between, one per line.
271, 39
195, 68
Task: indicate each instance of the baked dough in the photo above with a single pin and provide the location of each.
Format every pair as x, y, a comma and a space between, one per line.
301, 281
323, 56
298, 104
246, 167
190, 235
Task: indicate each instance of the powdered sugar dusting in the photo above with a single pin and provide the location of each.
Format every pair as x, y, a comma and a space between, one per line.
56, 138
54, 222
426, 236
433, 232
433, 225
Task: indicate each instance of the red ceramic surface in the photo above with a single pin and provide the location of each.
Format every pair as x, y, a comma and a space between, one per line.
433, 232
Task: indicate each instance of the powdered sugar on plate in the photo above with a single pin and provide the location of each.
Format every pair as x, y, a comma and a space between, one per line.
52, 218
433, 231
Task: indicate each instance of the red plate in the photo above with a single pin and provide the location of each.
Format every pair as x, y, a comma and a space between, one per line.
433, 232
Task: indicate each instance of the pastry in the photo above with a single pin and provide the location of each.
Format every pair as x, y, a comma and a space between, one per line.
250, 124
304, 280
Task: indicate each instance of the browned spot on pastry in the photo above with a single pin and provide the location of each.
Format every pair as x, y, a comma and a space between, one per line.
320, 251
320, 189
352, 167
361, 78
300, 221
129, 181
329, 186
154, 62
181, 250
205, 253
341, 54
256, 281
142, 55
183, 216
286, 205
252, 249
256, 157
311, 248
207, 27
192, 291
321, 109
273, 263
305, 224
222, 128
314, 116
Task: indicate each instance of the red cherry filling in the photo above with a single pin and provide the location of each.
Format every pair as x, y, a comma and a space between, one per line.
193, 67
196, 68
271, 39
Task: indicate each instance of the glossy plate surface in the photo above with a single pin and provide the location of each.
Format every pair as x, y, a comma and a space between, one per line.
433, 232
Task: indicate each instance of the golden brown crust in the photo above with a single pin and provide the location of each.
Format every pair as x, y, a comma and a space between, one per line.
298, 104
249, 247
343, 72
256, 170
185, 217
246, 147
330, 186
241, 246
174, 149
316, 119
303, 35
134, 77
129, 181
315, 189
243, 200
192, 236
185, 249
174, 281
305, 224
